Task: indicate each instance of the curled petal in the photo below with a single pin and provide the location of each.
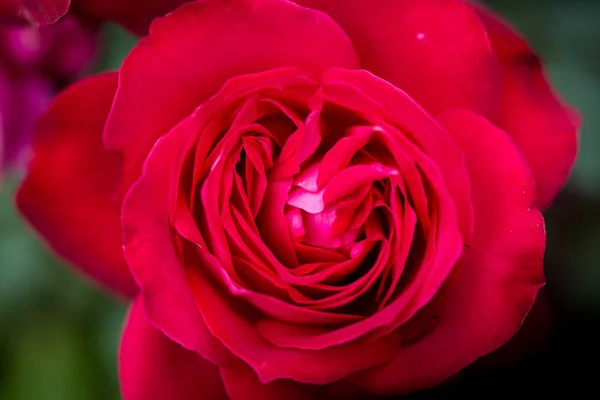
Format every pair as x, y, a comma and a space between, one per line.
153, 257
270, 362
245, 385
489, 293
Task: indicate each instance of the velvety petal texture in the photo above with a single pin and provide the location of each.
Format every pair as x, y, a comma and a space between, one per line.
449, 53
152, 367
67, 193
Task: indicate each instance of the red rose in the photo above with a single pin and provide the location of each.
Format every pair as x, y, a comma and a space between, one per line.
133, 14
314, 201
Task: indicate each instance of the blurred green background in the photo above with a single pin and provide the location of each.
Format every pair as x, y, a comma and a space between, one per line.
59, 333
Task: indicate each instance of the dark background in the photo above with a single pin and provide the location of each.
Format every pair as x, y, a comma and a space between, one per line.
59, 334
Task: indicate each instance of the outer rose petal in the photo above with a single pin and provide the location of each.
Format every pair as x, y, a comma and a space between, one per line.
67, 193
190, 53
435, 50
542, 126
152, 367
154, 261
42, 12
485, 299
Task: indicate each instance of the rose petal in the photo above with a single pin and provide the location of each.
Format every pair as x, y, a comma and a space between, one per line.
411, 120
436, 51
272, 363
487, 296
21, 102
67, 193
544, 128
270, 306
151, 253
42, 12
273, 224
191, 52
152, 367
341, 153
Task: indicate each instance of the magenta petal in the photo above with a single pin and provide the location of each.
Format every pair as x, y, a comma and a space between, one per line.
42, 12
152, 367
270, 362
67, 194
273, 224
341, 153
152, 255
436, 51
409, 119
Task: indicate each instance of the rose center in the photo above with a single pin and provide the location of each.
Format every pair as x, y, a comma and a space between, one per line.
315, 197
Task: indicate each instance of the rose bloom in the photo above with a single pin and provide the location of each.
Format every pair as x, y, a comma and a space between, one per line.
134, 14
34, 64
313, 200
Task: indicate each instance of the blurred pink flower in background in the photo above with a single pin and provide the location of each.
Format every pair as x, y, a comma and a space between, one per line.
135, 15
34, 65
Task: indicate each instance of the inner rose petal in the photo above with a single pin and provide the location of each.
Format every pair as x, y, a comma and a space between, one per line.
315, 206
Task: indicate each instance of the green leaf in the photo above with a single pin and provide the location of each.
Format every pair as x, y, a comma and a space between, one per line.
117, 44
